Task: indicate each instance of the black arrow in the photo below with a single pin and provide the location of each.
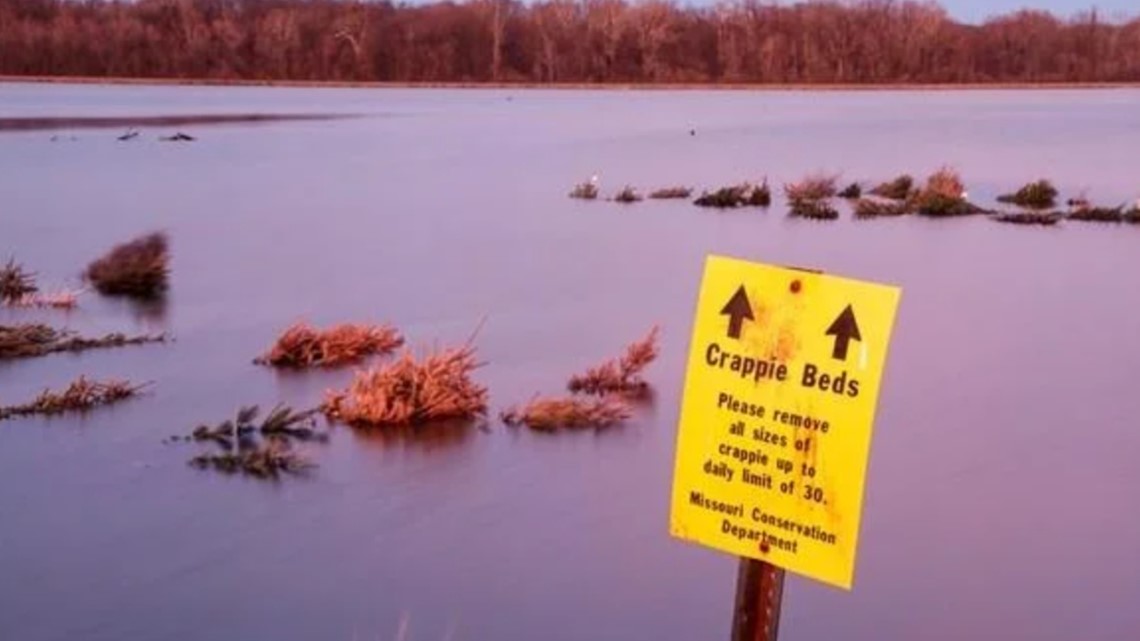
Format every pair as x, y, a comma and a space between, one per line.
737, 309
844, 328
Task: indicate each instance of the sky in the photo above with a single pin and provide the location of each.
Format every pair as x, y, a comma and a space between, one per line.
978, 10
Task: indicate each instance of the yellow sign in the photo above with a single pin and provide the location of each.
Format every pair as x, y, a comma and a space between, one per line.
783, 376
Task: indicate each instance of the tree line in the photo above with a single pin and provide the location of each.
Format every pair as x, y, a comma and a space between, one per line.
559, 41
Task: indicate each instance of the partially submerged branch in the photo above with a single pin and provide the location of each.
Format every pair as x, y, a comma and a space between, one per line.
621, 375
81, 395
31, 340
262, 450
901, 188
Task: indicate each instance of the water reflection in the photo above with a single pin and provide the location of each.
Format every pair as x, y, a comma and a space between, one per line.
422, 438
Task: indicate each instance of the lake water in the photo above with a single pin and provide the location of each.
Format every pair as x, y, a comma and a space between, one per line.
1002, 497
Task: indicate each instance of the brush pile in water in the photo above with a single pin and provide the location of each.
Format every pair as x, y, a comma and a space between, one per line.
138, 268
627, 195
854, 191
303, 345
1088, 213
16, 282
585, 191
671, 192
877, 207
1040, 194
944, 195
621, 375
262, 450
745, 194
411, 391
811, 197
81, 395
33, 339
901, 188
550, 414
1045, 219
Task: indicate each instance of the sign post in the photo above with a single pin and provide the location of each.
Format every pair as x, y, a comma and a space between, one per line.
775, 429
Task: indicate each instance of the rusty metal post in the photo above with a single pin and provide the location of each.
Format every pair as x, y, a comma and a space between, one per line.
759, 592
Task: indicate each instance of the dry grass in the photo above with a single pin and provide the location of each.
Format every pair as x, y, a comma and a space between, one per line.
550, 414
1040, 194
901, 188
16, 282
881, 207
139, 268
627, 195
671, 192
411, 391
34, 339
813, 188
621, 375
302, 345
1044, 219
81, 395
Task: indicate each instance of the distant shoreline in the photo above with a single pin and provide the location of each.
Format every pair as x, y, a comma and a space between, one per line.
579, 86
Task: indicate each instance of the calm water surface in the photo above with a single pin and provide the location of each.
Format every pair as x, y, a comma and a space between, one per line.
1002, 498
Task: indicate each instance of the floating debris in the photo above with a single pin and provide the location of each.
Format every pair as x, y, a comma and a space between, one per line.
130, 134
901, 188
16, 282
587, 190
853, 191
671, 192
737, 196
621, 375
1035, 195
264, 461
411, 391
876, 207
81, 395
262, 450
138, 268
178, 137
627, 195
550, 414
302, 345
34, 339
1046, 219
